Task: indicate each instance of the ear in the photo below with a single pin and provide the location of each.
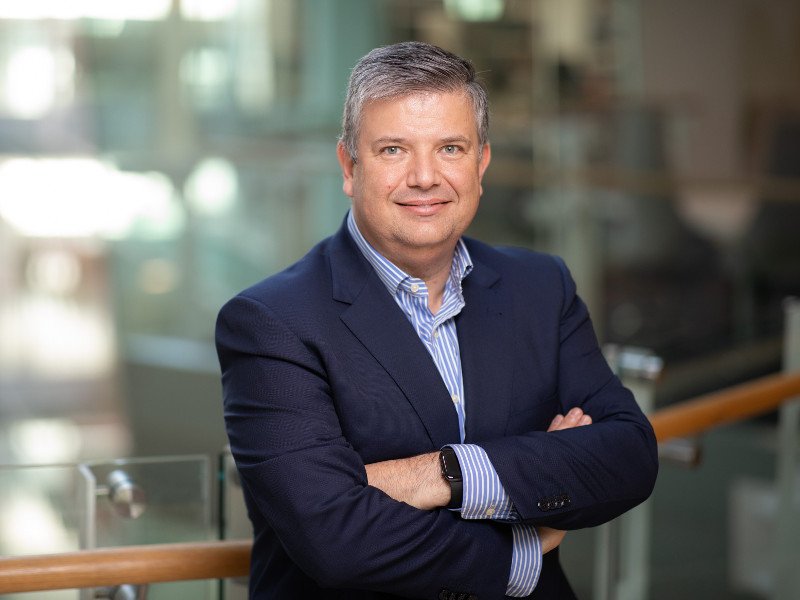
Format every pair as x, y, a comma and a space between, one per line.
486, 158
347, 165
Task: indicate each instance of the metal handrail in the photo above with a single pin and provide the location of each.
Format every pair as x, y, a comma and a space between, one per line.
218, 560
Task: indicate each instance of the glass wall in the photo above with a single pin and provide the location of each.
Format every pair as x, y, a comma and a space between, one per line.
157, 156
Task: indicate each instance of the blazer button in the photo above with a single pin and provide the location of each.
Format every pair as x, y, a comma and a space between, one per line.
554, 503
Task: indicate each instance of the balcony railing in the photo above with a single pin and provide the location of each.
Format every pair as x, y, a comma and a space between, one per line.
222, 559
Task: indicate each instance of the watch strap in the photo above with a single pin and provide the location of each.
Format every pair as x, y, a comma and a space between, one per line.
451, 471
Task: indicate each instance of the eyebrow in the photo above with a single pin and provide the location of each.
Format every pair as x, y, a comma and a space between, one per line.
400, 140
456, 139
388, 140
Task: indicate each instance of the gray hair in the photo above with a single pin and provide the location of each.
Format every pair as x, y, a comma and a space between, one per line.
405, 68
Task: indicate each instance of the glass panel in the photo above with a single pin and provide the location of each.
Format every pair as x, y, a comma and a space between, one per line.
151, 501
43, 510
64, 508
726, 552
695, 552
234, 524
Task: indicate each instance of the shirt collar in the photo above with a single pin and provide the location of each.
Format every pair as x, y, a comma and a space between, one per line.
393, 276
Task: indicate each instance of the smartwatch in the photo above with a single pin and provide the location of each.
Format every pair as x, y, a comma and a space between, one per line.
451, 471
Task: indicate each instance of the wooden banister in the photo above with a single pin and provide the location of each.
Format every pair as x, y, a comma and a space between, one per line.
218, 560
130, 564
732, 404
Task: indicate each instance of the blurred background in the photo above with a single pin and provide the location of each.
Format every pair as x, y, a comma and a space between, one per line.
157, 156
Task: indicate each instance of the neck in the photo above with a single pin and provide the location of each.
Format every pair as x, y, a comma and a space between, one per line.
433, 268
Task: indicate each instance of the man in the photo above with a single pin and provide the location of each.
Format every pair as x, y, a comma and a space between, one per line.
394, 400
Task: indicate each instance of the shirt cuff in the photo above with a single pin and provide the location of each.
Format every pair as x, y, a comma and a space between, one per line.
526, 561
483, 495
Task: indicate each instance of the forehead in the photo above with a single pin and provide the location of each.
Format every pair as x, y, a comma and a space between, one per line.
419, 114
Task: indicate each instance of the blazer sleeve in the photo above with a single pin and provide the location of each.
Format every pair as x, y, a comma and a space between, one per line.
585, 476
305, 481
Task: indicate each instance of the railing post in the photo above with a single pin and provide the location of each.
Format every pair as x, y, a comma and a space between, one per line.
622, 560
787, 555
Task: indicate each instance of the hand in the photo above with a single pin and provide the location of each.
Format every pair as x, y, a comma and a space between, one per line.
550, 538
574, 418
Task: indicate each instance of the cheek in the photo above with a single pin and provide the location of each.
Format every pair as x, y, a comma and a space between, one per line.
379, 183
463, 179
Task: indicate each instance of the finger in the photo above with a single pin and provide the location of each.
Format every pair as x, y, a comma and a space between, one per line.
550, 538
573, 417
556, 423
585, 420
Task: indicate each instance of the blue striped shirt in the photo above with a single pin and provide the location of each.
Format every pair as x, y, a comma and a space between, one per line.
484, 496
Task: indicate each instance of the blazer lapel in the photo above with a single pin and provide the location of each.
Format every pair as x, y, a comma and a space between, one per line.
485, 332
380, 325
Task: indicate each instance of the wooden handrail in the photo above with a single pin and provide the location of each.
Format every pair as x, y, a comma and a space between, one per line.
218, 560
735, 403
130, 564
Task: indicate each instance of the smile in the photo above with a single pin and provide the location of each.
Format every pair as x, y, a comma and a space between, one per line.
424, 207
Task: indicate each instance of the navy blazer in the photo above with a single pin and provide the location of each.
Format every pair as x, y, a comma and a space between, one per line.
322, 373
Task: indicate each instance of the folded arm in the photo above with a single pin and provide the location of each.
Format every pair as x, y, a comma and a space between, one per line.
417, 480
305, 481
578, 477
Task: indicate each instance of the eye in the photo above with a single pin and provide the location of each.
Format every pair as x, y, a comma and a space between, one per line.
391, 150
451, 149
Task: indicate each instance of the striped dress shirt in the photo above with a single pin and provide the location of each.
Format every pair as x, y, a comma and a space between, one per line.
484, 496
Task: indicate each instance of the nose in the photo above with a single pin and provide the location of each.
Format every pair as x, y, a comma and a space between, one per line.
423, 172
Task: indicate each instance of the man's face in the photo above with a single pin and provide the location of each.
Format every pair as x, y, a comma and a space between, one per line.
417, 183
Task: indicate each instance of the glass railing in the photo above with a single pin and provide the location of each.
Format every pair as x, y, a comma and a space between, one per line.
725, 528
46, 509
234, 524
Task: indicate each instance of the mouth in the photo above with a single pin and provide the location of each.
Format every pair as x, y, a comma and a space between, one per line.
424, 207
